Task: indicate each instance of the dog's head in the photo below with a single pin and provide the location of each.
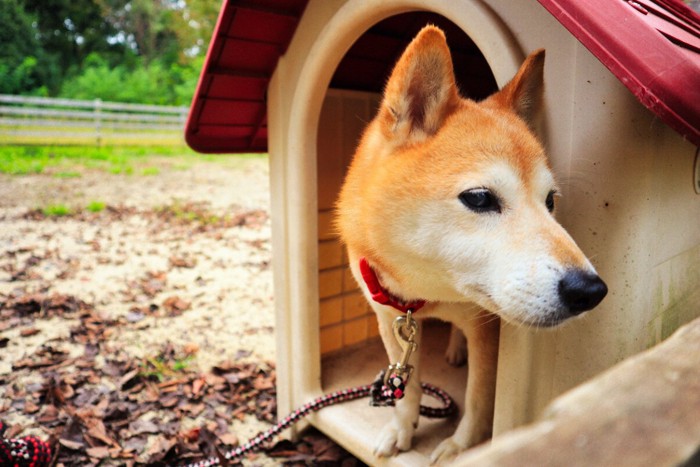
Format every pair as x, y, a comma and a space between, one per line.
453, 200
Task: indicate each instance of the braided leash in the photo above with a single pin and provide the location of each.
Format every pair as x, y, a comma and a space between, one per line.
29, 451
389, 386
380, 397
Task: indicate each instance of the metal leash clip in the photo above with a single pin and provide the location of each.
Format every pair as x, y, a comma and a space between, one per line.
397, 374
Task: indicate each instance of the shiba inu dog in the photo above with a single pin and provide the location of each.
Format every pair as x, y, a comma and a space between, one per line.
451, 202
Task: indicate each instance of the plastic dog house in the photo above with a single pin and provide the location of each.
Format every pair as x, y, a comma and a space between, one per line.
299, 79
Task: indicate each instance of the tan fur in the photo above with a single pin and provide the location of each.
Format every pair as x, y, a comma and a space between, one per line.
400, 209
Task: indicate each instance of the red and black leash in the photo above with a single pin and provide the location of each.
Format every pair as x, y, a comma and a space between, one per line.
382, 393
30, 451
376, 390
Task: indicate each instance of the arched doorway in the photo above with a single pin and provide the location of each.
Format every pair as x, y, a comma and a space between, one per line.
350, 103
321, 111
351, 351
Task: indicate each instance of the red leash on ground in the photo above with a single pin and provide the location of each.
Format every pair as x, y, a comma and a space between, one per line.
389, 386
29, 451
380, 397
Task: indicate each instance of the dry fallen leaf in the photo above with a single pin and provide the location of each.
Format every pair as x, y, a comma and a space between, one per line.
99, 452
175, 305
75, 445
30, 407
100, 404
182, 262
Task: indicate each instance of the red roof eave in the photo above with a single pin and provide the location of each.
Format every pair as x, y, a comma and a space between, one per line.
651, 46
664, 76
228, 113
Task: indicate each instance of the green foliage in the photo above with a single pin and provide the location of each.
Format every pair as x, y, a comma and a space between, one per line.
144, 51
56, 210
70, 29
16, 35
185, 80
189, 213
150, 171
18, 162
96, 206
18, 78
23, 160
163, 368
69, 174
23, 65
151, 83
121, 169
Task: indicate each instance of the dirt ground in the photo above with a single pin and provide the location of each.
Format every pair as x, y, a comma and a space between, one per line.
223, 272
165, 277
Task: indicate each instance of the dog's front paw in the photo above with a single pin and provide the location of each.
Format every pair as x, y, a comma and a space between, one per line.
445, 451
393, 438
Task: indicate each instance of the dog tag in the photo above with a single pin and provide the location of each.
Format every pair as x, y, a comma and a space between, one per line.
397, 375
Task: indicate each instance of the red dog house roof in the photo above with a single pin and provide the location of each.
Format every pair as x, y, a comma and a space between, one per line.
228, 111
651, 46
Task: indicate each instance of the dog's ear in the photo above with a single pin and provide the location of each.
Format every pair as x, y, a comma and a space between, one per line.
524, 93
421, 91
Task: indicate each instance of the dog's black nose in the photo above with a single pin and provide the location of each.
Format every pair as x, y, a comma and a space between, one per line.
580, 290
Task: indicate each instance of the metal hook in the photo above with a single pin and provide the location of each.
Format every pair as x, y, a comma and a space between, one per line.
405, 329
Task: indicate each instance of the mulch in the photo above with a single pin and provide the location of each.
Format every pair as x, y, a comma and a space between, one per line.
95, 404
122, 411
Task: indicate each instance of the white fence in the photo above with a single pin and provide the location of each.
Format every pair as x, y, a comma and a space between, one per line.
41, 120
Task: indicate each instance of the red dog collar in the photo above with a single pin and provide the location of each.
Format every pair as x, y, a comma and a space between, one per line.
383, 296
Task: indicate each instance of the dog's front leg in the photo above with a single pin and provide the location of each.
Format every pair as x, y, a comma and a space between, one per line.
398, 432
456, 353
482, 331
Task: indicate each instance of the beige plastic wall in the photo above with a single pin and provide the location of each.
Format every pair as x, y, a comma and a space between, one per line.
628, 199
630, 204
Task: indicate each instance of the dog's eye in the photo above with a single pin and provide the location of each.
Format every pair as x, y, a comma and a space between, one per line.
480, 200
549, 202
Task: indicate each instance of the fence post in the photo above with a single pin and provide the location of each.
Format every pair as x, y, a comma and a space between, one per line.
98, 122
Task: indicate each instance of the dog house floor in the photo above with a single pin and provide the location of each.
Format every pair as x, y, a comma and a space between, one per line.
356, 425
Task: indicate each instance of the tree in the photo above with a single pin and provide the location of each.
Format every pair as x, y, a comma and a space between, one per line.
167, 30
150, 46
20, 54
68, 30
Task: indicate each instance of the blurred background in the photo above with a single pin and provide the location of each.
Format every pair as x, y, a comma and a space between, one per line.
99, 73
138, 51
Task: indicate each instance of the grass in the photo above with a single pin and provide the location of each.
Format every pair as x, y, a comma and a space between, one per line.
70, 174
190, 213
96, 206
57, 210
163, 368
69, 161
63, 210
121, 169
14, 165
150, 171
22, 160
